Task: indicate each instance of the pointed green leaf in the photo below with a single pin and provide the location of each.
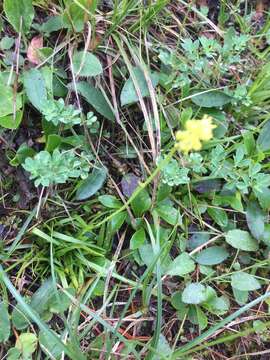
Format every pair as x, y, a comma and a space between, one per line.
241, 240
212, 256
181, 265
19, 12
137, 239
255, 219
4, 323
96, 99
35, 88
244, 282
129, 94
92, 184
86, 64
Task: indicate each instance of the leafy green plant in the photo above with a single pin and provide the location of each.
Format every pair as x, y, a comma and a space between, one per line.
56, 111
56, 168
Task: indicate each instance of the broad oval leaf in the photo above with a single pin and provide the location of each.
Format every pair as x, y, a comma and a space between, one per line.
9, 122
117, 221
19, 320
241, 297
16, 10
141, 203
263, 141
35, 88
86, 64
110, 201
129, 94
255, 219
92, 184
27, 344
194, 293
169, 213
96, 99
4, 323
211, 99
212, 256
244, 282
197, 239
7, 102
218, 305
266, 235
241, 240
137, 239
181, 265
218, 215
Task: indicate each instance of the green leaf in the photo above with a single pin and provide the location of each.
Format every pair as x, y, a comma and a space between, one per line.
176, 301
137, 239
219, 216
163, 348
13, 354
7, 101
244, 282
264, 198
9, 122
42, 296
26, 344
60, 302
266, 235
249, 142
53, 141
241, 240
217, 305
86, 64
241, 297
263, 141
147, 255
110, 201
255, 219
129, 94
19, 320
221, 122
198, 239
117, 221
6, 43
168, 213
22, 153
181, 265
4, 323
35, 88
74, 17
141, 203
54, 23
194, 293
49, 346
201, 318
211, 99
212, 256
17, 10
96, 99
92, 184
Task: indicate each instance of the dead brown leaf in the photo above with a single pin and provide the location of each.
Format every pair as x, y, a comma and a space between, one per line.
32, 51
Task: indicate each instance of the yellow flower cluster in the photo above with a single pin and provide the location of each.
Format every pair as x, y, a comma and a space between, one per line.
196, 132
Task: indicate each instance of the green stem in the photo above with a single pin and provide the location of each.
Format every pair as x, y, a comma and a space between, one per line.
225, 339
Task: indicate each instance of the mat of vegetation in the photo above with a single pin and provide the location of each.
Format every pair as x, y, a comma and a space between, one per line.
134, 179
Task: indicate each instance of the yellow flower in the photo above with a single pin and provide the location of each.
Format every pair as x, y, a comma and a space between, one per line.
196, 132
186, 141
